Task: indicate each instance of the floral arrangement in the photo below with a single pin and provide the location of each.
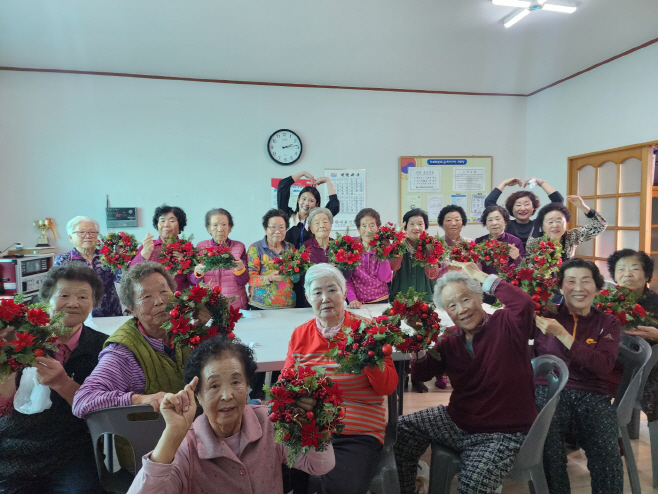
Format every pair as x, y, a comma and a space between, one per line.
36, 332
465, 252
387, 243
495, 253
622, 303
365, 344
345, 252
535, 274
298, 429
110, 246
181, 312
216, 257
292, 262
421, 317
428, 251
183, 246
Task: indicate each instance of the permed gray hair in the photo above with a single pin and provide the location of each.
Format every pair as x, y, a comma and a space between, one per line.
136, 274
315, 211
324, 270
455, 277
73, 271
70, 226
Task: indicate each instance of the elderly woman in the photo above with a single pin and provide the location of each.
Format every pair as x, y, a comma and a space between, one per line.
634, 270
492, 403
587, 339
83, 234
368, 283
219, 224
268, 289
169, 221
522, 205
554, 218
320, 221
357, 447
230, 446
495, 219
52, 451
138, 365
308, 198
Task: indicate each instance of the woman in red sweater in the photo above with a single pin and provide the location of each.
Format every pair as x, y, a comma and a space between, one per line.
357, 447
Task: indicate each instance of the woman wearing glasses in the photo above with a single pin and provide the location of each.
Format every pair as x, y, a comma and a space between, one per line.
267, 288
83, 234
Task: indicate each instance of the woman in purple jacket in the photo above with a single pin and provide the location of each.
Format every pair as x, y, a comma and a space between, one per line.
368, 283
219, 224
588, 341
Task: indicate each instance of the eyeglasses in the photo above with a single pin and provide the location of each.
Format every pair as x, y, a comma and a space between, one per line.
84, 234
275, 228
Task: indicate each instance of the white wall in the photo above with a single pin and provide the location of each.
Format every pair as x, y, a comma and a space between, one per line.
68, 140
611, 106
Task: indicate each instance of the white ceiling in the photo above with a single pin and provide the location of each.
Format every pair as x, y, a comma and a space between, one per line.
451, 45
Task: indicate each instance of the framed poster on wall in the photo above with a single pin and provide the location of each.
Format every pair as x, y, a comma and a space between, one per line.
432, 182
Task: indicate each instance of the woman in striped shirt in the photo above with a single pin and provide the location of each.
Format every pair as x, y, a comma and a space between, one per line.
357, 447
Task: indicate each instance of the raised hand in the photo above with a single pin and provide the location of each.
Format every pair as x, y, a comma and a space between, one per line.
470, 269
178, 410
147, 246
579, 203
510, 182
538, 181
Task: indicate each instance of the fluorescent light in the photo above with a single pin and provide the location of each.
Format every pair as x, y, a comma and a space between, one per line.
515, 17
512, 3
567, 9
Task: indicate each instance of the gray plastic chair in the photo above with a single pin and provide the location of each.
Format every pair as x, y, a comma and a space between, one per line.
139, 425
528, 466
634, 354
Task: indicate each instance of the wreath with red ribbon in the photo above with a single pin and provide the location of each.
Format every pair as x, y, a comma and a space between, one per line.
184, 246
111, 244
345, 252
388, 243
428, 250
182, 310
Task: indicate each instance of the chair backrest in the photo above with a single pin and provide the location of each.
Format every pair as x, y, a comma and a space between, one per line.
392, 423
653, 360
138, 424
634, 353
557, 374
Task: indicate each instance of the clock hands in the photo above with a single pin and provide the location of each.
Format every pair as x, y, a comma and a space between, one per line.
290, 145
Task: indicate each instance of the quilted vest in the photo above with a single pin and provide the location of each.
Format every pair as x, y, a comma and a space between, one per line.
161, 372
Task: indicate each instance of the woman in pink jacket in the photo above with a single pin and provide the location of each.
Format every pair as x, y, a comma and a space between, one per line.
219, 224
230, 447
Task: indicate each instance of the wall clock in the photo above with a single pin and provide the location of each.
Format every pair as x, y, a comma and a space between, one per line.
284, 146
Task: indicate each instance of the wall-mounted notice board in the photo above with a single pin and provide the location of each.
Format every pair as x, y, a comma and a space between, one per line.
432, 182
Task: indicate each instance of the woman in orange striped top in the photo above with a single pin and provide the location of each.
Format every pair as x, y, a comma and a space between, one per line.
357, 447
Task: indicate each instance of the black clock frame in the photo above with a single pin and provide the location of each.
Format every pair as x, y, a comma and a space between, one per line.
301, 147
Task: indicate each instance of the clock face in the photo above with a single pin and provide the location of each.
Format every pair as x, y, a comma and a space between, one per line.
285, 147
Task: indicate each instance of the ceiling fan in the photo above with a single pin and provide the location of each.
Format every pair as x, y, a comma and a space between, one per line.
527, 6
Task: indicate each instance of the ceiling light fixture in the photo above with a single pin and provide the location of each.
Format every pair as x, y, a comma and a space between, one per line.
524, 7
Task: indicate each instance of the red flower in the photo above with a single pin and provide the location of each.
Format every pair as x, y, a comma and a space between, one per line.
23, 340
38, 317
283, 397
197, 293
9, 310
334, 395
310, 434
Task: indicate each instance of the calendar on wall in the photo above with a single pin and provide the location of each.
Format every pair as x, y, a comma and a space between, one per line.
350, 185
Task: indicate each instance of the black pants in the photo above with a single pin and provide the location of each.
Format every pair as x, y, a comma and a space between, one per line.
357, 457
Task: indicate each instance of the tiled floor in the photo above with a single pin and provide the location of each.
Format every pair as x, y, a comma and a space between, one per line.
578, 473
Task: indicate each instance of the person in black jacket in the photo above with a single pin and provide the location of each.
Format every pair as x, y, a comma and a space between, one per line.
51, 452
308, 198
522, 205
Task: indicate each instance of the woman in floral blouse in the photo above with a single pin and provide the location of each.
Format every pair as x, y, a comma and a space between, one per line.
267, 288
554, 218
83, 234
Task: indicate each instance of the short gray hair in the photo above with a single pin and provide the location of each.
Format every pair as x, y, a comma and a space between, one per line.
136, 274
70, 226
315, 211
324, 270
455, 277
